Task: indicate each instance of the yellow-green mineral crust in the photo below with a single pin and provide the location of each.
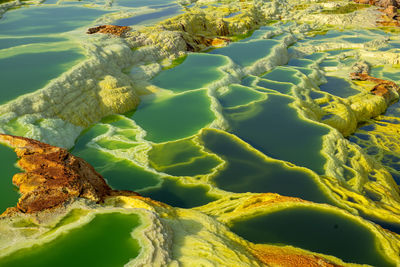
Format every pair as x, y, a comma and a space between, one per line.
360, 146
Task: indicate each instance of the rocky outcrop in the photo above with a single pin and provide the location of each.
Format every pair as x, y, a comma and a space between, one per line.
384, 88
53, 176
277, 256
109, 29
390, 15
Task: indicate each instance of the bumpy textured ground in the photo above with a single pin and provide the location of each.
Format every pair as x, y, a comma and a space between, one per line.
256, 133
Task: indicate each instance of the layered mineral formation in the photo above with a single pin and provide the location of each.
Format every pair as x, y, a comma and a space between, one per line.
52, 176
259, 125
109, 29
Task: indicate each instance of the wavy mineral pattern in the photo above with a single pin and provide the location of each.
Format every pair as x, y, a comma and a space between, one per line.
200, 133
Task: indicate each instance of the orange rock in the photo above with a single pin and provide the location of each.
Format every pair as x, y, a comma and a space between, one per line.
391, 12
383, 88
109, 29
288, 257
53, 176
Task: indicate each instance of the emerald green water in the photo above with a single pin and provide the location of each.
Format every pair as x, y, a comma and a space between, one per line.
10, 42
316, 230
281, 87
247, 53
283, 74
301, 62
46, 20
197, 71
249, 80
274, 128
247, 172
179, 195
120, 174
25, 73
141, 3
238, 95
105, 241
339, 87
8, 192
181, 158
175, 117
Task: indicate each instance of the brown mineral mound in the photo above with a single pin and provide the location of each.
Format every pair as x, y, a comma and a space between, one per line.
276, 256
110, 29
389, 9
382, 88
53, 176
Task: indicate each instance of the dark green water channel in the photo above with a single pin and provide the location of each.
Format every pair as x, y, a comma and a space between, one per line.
105, 241
247, 172
8, 192
175, 117
274, 128
179, 195
25, 73
316, 230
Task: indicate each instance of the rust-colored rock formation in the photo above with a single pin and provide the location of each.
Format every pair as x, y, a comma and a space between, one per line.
389, 9
109, 29
53, 176
382, 88
275, 256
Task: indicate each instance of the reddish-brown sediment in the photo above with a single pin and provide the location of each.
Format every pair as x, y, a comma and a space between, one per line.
109, 29
53, 176
289, 257
383, 88
389, 8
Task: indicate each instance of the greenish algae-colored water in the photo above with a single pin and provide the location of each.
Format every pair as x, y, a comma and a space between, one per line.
46, 20
283, 74
301, 62
105, 241
281, 87
238, 95
8, 192
248, 172
120, 174
11, 42
179, 195
247, 53
199, 71
338, 87
40, 53
315, 230
181, 158
275, 128
174, 117
142, 3
152, 16
35, 68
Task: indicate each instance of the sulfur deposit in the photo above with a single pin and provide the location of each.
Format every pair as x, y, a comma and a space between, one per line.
206, 133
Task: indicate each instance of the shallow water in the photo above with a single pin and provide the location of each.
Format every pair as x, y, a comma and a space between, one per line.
338, 87
36, 69
179, 195
142, 3
316, 230
46, 20
107, 234
42, 50
200, 69
282, 133
174, 117
247, 53
152, 16
8, 192
248, 172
